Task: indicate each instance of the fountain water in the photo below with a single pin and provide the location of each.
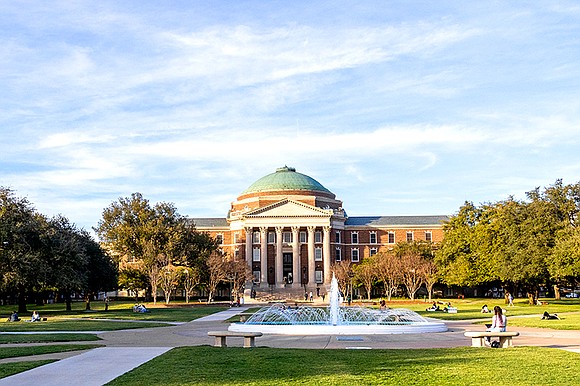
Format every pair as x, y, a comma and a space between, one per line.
336, 320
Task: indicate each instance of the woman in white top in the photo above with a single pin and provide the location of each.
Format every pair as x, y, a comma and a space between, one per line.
498, 321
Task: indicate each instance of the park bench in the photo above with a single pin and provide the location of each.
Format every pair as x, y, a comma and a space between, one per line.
220, 337
477, 337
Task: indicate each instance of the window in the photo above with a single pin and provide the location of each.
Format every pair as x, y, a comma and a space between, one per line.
220, 238
317, 237
337, 236
338, 254
318, 275
354, 238
256, 275
373, 237
354, 255
271, 238
391, 237
428, 236
236, 238
287, 237
373, 251
256, 254
302, 237
256, 238
237, 253
409, 236
318, 254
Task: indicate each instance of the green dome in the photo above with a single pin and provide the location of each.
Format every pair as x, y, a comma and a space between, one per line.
286, 178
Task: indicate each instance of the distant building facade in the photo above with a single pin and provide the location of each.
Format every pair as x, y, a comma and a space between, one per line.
290, 229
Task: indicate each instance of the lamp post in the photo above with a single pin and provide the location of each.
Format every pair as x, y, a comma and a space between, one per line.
230, 280
350, 275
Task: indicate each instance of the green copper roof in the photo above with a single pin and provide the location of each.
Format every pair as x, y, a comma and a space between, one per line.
285, 178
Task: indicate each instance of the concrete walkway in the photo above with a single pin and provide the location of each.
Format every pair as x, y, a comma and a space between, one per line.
128, 349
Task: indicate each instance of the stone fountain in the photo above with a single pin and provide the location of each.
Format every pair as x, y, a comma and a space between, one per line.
336, 320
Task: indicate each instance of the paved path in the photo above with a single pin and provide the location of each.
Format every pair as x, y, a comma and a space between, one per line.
94, 367
128, 349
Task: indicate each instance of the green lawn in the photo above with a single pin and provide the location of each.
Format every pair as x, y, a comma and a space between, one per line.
54, 324
568, 321
7, 369
44, 338
471, 308
265, 366
13, 352
176, 312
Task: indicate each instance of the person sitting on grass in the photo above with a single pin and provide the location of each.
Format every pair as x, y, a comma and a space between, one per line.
14, 317
139, 308
434, 307
547, 316
35, 316
484, 309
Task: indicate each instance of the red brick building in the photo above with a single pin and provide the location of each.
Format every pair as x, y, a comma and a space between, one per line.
289, 228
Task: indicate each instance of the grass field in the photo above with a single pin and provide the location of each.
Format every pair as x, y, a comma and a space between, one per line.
263, 366
13, 352
54, 324
7, 369
46, 338
80, 320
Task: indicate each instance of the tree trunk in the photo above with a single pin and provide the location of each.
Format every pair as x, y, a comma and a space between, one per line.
68, 301
557, 292
22, 300
87, 303
532, 298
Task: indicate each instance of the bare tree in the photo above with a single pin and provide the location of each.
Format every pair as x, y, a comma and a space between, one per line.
342, 271
365, 274
238, 273
190, 280
168, 280
389, 272
412, 273
430, 275
216, 273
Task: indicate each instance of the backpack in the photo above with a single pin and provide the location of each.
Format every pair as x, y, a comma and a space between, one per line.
495, 344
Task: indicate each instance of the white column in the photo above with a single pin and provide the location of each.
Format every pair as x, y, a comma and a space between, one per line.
249, 247
296, 256
264, 257
326, 254
279, 263
311, 262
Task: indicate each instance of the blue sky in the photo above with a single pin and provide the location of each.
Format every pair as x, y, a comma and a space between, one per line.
398, 107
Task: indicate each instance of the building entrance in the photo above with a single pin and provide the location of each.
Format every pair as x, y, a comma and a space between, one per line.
287, 268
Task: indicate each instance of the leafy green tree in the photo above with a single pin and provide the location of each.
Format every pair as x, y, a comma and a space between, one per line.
155, 236
69, 264
23, 258
103, 271
133, 279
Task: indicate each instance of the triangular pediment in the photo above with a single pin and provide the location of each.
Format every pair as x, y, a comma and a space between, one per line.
289, 208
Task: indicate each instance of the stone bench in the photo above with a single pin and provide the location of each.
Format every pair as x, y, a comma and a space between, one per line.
220, 337
477, 337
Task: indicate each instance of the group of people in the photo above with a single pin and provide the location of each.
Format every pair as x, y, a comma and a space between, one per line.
435, 307
34, 318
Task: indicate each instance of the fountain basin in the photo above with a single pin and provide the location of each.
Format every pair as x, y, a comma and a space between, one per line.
326, 329
306, 320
